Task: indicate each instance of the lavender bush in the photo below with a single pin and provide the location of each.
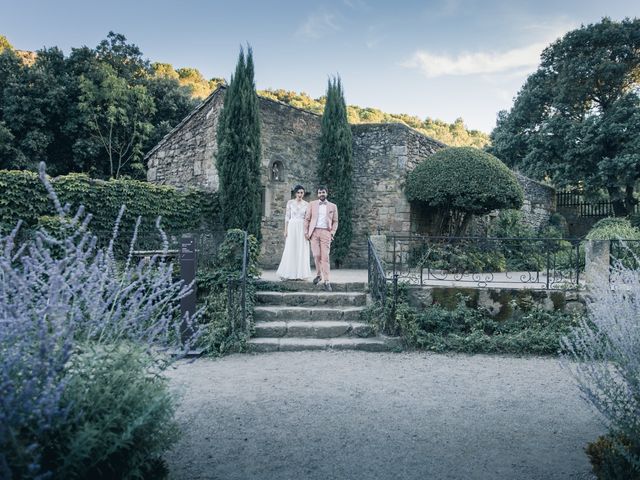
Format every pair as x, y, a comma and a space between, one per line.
606, 350
60, 293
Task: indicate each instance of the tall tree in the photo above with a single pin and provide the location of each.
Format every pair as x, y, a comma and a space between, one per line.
577, 118
118, 115
335, 165
238, 158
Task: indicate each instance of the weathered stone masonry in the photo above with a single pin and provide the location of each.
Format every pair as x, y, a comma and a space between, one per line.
383, 154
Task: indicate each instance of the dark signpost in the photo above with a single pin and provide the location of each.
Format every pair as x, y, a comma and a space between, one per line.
188, 275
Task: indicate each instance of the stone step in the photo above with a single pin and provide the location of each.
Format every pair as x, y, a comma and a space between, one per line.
268, 313
290, 344
311, 298
313, 329
307, 286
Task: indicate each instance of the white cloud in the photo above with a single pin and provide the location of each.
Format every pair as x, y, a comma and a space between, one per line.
318, 25
434, 65
356, 4
514, 62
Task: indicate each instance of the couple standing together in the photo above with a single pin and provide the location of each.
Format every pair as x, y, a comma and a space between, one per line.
305, 223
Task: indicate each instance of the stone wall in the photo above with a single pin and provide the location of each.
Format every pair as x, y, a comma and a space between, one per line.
383, 154
500, 303
185, 156
539, 201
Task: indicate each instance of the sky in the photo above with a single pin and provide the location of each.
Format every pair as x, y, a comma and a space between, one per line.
443, 59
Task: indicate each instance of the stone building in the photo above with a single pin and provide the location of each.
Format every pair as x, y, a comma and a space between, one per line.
382, 155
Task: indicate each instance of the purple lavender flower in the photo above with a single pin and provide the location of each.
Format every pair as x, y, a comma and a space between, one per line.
58, 292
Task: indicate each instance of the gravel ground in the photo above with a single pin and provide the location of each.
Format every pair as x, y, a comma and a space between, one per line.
359, 415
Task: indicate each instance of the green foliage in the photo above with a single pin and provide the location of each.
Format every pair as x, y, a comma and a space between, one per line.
455, 183
238, 158
470, 330
221, 334
586, 131
120, 418
613, 229
228, 262
458, 257
24, 197
335, 165
452, 134
96, 111
608, 462
5, 44
118, 116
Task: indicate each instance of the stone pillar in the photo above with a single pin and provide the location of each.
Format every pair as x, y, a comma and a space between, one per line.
596, 267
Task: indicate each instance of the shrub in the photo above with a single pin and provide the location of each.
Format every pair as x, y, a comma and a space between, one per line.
457, 182
613, 228
472, 330
220, 328
57, 293
24, 198
608, 462
606, 351
120, 415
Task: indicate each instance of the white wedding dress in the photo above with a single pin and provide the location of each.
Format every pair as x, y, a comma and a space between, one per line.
295, 263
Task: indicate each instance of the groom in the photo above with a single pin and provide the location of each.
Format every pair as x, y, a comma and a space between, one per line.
320, 225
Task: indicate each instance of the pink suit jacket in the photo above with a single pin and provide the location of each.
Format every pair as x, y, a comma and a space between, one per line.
311, 217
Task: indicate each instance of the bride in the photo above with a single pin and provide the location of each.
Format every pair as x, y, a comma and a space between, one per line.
295, 257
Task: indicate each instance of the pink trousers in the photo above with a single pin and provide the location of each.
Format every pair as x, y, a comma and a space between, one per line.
320, 248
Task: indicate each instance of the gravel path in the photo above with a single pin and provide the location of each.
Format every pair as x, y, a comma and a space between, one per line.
359, 415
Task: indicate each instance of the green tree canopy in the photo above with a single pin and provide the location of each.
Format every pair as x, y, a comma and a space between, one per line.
577, 118
5, 44
455, 183
118, 117
238, 157
335, 165
89, 112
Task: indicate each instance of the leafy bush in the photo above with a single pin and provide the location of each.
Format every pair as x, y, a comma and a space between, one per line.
606, 350
458, 182
220, 327
607, 460
57, 293
472, 330
613, 228
458, 257
119, 415
24, 198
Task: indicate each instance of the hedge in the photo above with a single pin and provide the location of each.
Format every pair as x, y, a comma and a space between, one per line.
465, 179
22, 196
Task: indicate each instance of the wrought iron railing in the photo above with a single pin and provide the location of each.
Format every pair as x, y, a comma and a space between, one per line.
379, 290
376, 277
540, 263
237, 293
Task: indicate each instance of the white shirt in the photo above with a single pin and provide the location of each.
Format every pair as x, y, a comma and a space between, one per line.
322, 216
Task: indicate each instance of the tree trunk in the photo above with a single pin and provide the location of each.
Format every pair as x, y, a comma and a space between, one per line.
629, 200
617, 202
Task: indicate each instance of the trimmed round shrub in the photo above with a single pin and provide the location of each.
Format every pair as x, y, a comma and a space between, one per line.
613, 228
466, 179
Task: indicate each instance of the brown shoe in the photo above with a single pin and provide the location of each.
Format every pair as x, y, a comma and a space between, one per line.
316, 280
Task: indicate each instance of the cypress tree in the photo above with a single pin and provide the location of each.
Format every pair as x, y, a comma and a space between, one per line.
238, 159
335, 165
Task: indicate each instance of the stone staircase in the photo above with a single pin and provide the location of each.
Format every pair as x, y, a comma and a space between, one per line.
296, 315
